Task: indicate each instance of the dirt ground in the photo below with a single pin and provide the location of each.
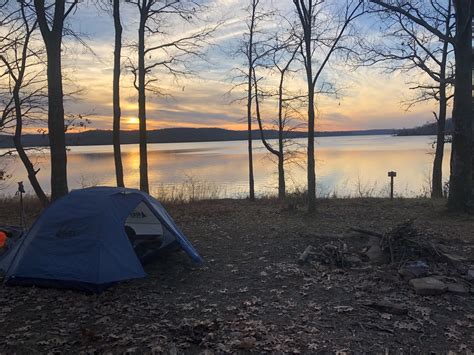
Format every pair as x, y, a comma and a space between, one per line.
251, 295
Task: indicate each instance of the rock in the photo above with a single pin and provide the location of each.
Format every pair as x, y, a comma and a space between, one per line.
457, 288
353, 260
247, 343
305, 255
373, 241
365, 269
236, 335
455, 260
413, 270
428, 286
454, 285
376, 255
388, 307
470, 275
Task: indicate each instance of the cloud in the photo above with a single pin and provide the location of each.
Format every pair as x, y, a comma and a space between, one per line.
368, 99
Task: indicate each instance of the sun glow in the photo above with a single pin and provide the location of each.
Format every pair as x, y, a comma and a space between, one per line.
133, 121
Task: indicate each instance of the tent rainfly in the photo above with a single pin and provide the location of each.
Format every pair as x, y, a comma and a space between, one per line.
93, 238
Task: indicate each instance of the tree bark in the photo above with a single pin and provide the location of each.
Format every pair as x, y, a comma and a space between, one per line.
306, 19
281, 153
259, 119
278, 153
311, 166
116, 94
311, 160
22, 153
144, 186
56, 129
460, 193
249, 104
472, 91
437, 178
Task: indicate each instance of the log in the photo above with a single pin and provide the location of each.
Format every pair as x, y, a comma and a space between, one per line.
305, 255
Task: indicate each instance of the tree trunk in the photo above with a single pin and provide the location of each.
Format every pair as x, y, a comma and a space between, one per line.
249, 104
461, 158
116, 94
22, 154
250, 149
472, 91
56, 129
275, 152
19, 128
306, 22
281, 153
437, 177
142, 106
311, 160
311, 169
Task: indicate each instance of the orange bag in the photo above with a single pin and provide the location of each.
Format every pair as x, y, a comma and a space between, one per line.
3, 239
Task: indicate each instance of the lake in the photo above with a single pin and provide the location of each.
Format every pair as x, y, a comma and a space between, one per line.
346, 166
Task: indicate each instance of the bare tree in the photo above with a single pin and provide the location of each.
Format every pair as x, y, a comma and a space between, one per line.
249, 49
19, 61
114, 7
116, 93
320, 40
166, 52
281, 56
410, 48
461, 178
8, 19
251, 24
51, 18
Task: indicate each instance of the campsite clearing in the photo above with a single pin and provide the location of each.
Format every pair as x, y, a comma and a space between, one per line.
251, 294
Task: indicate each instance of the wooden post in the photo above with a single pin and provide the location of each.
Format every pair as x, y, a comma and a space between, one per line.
21, 191
391, 175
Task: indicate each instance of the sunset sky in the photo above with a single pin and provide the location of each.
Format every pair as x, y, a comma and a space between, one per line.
370, 99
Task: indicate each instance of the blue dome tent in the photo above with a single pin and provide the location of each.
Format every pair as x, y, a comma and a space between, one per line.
93, 238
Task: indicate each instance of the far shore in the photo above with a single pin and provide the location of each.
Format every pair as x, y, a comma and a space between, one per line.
177, 135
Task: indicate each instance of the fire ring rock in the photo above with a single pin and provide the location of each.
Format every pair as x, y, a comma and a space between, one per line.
428, 286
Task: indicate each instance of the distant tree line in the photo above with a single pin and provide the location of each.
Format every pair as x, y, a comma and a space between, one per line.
428, 129
177, 135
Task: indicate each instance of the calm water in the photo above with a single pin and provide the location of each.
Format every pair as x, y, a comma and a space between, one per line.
346, 166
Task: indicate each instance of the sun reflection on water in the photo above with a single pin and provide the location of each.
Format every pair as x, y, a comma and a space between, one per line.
344, 165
